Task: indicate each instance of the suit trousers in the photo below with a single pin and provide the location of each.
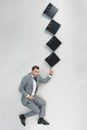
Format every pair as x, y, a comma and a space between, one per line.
37, 106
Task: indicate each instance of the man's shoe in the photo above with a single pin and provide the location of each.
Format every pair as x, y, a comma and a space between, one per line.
42, 121
22, 117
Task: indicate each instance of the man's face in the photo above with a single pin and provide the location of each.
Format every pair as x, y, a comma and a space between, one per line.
35, 72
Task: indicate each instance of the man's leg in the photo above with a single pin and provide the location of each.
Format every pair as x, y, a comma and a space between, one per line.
34, 110
42, 104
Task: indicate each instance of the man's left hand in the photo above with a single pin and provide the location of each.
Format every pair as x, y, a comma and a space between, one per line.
51, 72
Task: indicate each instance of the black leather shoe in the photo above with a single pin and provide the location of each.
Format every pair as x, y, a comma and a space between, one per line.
22, 117
42, 121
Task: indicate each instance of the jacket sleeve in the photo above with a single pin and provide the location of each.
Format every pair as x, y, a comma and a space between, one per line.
23, 86
44, 80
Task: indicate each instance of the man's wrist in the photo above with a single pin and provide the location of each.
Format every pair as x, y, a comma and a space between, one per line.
50, 75
27, 96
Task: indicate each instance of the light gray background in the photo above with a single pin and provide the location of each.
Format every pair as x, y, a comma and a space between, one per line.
22, 44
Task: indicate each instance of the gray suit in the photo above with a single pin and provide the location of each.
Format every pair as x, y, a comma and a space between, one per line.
37, 104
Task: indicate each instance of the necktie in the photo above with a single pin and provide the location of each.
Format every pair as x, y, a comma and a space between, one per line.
35, 79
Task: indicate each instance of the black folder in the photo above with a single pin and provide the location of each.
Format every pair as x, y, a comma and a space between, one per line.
50, 10
52, 59
53, 27
53, 43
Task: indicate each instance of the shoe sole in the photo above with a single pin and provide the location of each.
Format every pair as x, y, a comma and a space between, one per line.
42, 123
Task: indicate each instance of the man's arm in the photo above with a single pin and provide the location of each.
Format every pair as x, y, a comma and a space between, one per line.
22, 87
45, 80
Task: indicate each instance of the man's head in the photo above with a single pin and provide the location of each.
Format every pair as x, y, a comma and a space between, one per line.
35, 70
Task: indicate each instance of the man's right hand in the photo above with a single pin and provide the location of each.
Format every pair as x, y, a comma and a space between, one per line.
30, 97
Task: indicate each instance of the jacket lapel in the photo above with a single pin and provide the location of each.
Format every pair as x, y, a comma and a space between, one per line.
31, 79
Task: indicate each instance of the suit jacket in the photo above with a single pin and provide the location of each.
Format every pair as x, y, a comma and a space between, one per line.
26, 86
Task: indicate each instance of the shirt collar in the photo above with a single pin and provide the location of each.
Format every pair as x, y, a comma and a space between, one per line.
32, 75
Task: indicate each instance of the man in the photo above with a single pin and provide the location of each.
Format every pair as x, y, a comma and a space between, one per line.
28, 88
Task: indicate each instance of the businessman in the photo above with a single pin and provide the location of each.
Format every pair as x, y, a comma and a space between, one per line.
28, 88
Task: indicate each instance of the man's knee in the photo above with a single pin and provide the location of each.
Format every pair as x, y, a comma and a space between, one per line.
43, 102
37, 111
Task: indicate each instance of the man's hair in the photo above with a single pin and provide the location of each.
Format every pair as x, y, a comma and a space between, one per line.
35, 67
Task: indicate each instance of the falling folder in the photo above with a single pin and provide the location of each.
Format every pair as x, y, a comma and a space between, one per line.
52, 59
53, 27
53, 43
50, 11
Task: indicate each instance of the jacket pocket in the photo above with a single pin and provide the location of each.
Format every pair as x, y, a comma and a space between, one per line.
25, 101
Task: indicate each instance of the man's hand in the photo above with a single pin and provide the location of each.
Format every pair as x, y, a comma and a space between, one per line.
51, 72
30, 97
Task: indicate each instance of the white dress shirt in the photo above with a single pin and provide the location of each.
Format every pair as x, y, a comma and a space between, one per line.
35, 86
